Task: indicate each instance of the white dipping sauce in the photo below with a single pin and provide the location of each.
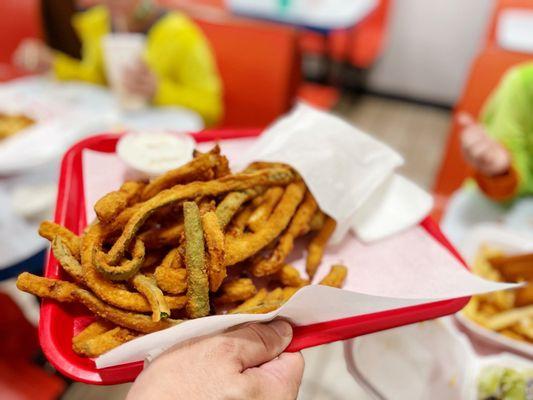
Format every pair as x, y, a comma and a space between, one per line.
153, 153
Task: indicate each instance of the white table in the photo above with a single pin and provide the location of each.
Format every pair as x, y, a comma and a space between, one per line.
68, 112
321, 15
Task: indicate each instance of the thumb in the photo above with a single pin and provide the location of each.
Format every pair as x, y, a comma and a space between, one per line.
282, 376
259, 343
465, 119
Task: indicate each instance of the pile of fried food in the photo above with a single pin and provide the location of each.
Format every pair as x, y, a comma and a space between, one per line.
193, 242
508, 312
11, 124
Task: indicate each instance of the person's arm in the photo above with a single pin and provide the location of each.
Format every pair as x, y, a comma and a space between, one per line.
90, 25
245, 363
508, 119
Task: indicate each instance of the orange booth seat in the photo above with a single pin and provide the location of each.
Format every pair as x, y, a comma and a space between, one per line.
485, 73
360, 45
19, 19
258, 62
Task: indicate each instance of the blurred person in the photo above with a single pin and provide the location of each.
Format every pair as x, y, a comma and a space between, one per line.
178, 67
245, 363
500, 147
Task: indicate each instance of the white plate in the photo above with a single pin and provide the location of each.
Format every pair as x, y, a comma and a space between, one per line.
509, 242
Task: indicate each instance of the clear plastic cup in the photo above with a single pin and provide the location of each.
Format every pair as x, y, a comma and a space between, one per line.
122, 50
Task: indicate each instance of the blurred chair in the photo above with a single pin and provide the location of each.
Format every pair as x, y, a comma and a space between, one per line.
360, 45
485, 73
19, 19
499, 8
259, 66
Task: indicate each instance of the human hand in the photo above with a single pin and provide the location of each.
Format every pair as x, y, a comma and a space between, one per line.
33, 55
481, 151
139, 80
245, 363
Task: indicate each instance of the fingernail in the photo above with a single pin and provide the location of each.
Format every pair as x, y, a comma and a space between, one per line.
282, 328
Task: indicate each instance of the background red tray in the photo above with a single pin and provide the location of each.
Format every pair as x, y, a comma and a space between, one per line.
60, 321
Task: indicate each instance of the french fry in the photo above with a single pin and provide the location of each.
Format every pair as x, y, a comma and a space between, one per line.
315, 250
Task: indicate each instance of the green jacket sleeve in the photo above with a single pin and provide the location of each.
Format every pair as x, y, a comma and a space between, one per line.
508, 117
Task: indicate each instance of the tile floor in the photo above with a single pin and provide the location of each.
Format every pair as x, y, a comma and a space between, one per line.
418, 133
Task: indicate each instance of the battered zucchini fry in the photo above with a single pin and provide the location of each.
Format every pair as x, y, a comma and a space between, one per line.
289, 276
147, 286
238, 224
214, 239
317, 222
108, 291
171, 280
66, 259
263, 211
335, 277
49, 230
91, 331
157, 238
267, 177
197, 280
315, 250
170, 276
126, 269
229, 206
252, 302
298, 226
137, 322
199, 169
46, 287
113, 203
240, 248
237, 290
103, 342
288, 292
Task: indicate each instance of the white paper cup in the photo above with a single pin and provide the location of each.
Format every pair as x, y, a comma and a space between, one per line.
122, 50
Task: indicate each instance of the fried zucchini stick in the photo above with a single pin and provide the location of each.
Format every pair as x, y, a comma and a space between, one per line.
214, 239
47, 288
49, 230
199, 169
231, 203
197, 280
137, 322
113, 203
252, 302
263, 211
148, 287
240, 248
108, 291
91, 331
289, 276
170, 277
237, 290
315, 250
66, 259
126, 269
298, 226
335, 277
103, 342
238, 224
267, 177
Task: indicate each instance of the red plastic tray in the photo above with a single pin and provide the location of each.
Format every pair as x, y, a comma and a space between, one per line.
60, 321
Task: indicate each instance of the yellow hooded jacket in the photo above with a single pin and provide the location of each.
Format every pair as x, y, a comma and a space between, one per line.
177, 52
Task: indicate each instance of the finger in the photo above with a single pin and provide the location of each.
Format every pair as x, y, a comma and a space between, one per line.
259, 343
465, 119
281, 377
